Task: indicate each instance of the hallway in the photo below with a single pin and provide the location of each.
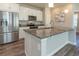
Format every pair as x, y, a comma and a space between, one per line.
77, 46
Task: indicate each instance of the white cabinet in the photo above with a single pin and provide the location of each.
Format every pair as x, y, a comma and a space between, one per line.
4, 6
21, 32
28, 44
10, 7
35, 46
30, 11
36, 13
14, 7
32, 45
39, 15
23, 13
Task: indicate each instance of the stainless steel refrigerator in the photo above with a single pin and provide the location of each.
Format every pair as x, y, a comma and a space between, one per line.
9, 27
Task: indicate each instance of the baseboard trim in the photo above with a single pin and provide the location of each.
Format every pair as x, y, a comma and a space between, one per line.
72, 43
56, 50
26, 53
21, 38
77, 33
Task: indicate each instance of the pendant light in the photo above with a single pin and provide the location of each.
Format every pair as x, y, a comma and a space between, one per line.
50, 4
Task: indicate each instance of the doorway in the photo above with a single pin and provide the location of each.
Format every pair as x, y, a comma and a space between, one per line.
76, 26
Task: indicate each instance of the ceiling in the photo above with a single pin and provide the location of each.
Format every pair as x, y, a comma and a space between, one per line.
39, 5
43, 5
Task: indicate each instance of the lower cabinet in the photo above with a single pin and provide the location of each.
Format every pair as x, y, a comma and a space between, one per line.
35, 46
32, 45
28, 44
21, 32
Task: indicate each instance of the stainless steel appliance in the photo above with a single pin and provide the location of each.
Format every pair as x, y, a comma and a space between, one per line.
32, 18
9, 27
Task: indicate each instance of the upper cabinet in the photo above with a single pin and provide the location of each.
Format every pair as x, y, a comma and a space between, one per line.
37, 13
24, 12
14, 7
11, 7
4, 7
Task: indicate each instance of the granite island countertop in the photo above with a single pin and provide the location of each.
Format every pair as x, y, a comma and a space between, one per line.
47, 32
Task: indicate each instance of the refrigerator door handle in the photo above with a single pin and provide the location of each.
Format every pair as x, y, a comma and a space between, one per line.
1, 23
6, 23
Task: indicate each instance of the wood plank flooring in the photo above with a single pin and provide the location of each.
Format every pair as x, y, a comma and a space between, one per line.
13, 49
68, 50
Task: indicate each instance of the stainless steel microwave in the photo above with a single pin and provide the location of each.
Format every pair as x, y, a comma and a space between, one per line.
32, 18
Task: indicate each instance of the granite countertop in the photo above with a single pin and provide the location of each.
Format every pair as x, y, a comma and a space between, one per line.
46, 32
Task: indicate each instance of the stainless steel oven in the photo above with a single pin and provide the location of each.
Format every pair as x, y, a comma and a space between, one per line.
33, 27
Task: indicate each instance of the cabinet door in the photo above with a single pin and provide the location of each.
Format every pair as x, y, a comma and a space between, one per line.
14, 7
26, 13
4, 7
22, 13
32, 45
33, 12
39, 15
22, 33
30, 11
11, 7
35, 46
28, 44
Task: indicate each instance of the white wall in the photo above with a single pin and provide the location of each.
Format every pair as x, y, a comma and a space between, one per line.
78, 23
47, 16
67, 18
76, 11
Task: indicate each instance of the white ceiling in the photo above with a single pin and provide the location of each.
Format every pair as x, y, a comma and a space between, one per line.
39, 5
43, 5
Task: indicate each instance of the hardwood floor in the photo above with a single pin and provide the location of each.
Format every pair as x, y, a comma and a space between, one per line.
68, 50
13, 49
77, 46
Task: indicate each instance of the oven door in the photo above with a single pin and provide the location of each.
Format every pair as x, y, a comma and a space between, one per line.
33, 27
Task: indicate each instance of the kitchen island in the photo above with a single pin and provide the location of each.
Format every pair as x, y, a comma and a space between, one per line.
47, 41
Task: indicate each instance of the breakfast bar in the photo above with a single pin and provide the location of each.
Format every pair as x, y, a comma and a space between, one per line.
47, 41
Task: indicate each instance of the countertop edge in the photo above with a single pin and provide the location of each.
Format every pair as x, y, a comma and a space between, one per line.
46, 36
